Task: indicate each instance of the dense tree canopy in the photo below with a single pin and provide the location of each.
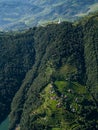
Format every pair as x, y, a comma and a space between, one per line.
52, 74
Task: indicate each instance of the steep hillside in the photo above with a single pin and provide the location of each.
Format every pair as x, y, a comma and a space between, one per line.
16, 58
52, 74
22, 14
53, 50
91, 51
60, 91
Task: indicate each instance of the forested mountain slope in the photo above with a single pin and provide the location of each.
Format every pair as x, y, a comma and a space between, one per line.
60, 91
53, 73
16, 58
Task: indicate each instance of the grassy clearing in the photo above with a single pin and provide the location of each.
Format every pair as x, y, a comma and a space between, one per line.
61, 85
68, 69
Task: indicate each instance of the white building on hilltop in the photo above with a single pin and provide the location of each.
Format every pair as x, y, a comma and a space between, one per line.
59, 21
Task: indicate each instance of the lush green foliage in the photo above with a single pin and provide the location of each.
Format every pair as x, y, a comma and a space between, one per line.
56, 81
16, 58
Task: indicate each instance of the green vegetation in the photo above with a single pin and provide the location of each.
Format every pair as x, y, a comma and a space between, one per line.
17, 57
48, 75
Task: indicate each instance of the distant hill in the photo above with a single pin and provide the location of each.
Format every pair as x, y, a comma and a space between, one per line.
20, 14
